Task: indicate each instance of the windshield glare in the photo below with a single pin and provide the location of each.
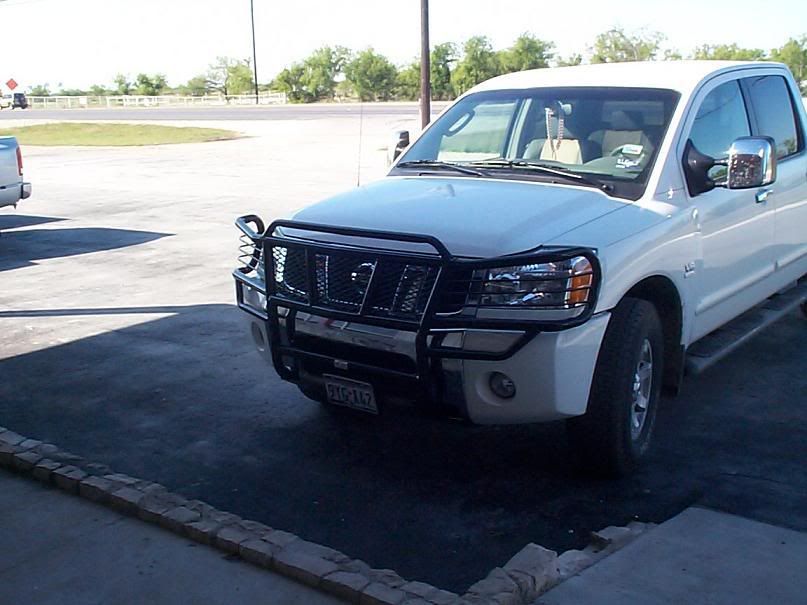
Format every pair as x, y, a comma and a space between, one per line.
610, 133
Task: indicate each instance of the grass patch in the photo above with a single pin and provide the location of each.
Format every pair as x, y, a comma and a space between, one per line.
96, 134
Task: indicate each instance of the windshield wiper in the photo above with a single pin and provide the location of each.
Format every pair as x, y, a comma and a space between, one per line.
439, 165
560, 171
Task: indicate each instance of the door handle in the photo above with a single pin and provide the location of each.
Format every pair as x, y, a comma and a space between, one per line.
762, 195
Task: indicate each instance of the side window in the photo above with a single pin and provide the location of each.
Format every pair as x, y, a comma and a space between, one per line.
479, 135
721, 118
773, 109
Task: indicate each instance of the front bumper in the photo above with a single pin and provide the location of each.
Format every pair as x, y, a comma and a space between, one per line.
552, 372
439, 362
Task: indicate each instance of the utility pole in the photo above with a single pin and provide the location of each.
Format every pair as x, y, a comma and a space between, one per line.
425, 68
254, 54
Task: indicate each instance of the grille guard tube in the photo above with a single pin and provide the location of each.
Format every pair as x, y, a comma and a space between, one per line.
243, 223
429, 320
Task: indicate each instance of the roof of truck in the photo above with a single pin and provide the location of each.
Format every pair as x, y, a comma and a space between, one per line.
675, 75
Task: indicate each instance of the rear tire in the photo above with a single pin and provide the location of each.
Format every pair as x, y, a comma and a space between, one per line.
804, 308
615, 432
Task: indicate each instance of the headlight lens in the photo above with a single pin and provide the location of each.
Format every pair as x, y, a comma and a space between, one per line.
558, 284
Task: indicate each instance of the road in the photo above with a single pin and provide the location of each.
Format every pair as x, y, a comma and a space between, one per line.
121, 343
270, 112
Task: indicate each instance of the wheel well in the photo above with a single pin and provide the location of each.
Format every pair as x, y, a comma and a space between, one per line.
663, 295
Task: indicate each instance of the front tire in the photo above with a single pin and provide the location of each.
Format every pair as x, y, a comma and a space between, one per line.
615, 432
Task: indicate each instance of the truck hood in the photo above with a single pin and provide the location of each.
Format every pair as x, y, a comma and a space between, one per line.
472, 217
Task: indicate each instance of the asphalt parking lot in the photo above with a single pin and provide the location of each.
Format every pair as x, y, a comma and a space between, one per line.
121, 344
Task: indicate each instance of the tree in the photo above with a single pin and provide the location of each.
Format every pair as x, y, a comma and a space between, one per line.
570, 61
150, 86
72, 92
372, 76
316, 78
442, 56
97, 90
122, 85
616, 46
479, 63
198, 86
407, 87
39, 90
728, 52
527, 52
230, 76
320, 71
794, 55
290, 81
239, 78
217, 74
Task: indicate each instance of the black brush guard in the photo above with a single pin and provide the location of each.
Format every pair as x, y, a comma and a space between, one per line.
429, 323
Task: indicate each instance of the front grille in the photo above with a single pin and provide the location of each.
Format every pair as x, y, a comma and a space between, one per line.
401, 289
454, 294
288, 273
353, 282
341, 280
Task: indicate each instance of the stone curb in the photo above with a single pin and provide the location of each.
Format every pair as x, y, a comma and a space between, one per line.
531, 572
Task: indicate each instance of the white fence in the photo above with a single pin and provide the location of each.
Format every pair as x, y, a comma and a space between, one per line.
65, 102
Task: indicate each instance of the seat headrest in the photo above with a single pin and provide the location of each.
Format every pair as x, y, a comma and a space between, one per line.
624, 120
568, 133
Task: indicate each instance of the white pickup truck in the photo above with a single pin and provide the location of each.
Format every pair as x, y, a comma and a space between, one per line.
12, 186
558, 244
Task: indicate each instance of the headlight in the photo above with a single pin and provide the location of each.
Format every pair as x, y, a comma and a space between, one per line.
560, 285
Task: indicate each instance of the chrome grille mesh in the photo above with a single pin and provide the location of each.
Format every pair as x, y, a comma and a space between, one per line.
353, 282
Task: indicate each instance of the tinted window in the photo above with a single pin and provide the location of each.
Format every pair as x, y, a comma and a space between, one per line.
773, 109
721, 118
481, 135
611, 133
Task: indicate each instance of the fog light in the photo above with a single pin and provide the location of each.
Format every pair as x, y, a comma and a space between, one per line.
254, 298
502, 385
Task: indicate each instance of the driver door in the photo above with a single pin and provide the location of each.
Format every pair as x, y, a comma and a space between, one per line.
736, 230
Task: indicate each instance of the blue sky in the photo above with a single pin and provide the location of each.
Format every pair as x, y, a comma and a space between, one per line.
82, 42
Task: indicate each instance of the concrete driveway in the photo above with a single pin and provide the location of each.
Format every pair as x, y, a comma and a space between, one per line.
121, 343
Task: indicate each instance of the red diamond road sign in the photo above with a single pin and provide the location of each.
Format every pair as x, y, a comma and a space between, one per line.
12, 84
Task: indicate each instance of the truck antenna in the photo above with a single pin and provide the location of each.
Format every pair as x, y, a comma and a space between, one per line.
361, 127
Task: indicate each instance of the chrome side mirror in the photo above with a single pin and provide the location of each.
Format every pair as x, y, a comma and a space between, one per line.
751, 163
400, 141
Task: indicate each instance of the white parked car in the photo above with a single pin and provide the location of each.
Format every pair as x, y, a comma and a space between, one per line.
558, 244
12, 186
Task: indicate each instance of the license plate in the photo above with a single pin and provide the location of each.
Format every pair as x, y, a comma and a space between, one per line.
350, 393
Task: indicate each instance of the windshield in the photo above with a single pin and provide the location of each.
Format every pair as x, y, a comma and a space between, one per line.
605, 133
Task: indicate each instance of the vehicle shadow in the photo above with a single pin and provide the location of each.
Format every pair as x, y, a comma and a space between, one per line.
185, 400
15, 221
179, 396
23, 248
